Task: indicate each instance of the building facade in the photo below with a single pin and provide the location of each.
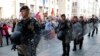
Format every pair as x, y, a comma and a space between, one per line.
11, 8
5, 8
65, 7
79, 7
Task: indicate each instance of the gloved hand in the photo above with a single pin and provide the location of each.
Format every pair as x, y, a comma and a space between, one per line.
14, 47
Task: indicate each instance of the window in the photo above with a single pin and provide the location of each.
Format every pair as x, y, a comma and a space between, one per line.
22, 4
40, 9
46, 8
74, 10
75, 3
32, 8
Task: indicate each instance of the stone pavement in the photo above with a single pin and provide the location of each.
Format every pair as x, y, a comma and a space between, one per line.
54, 48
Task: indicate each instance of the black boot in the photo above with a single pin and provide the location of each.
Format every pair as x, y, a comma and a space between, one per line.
89, 35
20, 55
65, 55
81, 43
74, 49
80, 46
93, 32
1, 45
66, 49
96, 30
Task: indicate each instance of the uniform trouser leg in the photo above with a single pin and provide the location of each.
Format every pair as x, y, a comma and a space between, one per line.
7, 40
93, 32
81, 43
89, 34
37, 40
75, 43
96, 30
1, 41
66, 49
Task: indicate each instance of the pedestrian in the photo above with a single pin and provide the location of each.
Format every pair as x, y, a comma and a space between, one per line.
14, 24
26, 34
94, 25
6, 33
76, 33
83, 23
63, 34
48, 28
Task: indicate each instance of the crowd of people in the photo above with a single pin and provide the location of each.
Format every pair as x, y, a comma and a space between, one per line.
75, 30
26, 33
6, 26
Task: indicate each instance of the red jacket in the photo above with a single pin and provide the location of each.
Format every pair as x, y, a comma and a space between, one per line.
5, 29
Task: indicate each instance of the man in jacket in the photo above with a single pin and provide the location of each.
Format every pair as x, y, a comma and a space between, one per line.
64, 27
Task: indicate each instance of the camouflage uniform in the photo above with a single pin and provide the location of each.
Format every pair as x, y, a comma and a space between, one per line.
30, 37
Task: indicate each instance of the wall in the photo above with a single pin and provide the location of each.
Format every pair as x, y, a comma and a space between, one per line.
7, 8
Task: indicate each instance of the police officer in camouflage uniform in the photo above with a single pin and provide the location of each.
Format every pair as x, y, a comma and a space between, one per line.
26, 35
94, 20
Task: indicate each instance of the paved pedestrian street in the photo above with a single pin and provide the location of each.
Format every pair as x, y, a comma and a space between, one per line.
53, 47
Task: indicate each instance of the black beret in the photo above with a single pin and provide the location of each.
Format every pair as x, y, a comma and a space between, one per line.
24, 8
63, 15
